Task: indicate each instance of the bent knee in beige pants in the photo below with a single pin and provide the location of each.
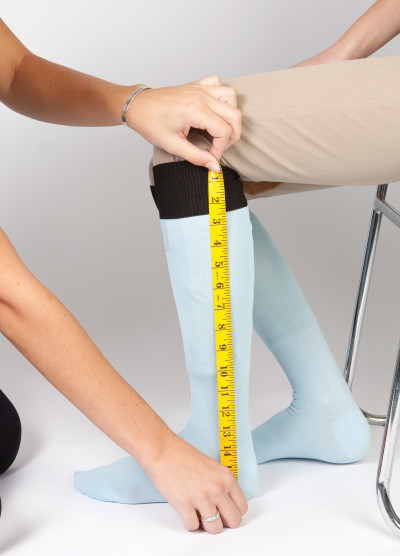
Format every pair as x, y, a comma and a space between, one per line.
314, 127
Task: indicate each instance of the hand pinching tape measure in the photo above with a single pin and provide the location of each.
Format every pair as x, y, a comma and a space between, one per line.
222, 319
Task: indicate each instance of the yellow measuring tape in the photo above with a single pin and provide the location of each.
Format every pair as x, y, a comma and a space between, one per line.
222, 318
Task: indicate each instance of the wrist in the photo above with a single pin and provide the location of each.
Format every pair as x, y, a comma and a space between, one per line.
129, 101
118, 100
172, 452
152, 442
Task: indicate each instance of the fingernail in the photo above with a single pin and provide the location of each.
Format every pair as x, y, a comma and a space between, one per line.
213, 166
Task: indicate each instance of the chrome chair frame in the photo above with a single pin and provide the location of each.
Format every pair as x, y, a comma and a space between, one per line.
391, 420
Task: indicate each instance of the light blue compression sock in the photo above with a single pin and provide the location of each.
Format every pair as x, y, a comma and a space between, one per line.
181, 196
323, 422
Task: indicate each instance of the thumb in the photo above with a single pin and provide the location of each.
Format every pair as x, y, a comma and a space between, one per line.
195, 155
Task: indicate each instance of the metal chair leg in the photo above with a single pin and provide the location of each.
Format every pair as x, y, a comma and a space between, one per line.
391, 420
362, 295
387, 454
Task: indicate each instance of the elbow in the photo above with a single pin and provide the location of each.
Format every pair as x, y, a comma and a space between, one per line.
9, 77
13, 53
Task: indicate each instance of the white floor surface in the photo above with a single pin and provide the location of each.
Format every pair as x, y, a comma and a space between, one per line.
302, 507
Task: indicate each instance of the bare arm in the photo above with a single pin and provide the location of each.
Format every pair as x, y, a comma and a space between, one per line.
377, 26
44, 330
47, 334
52, 93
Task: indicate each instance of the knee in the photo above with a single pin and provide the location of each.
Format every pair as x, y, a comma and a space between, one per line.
10, 433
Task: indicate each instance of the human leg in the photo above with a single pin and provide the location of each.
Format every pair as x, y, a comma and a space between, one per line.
303, 129
323, 421
180, 193
318, 126
314, 127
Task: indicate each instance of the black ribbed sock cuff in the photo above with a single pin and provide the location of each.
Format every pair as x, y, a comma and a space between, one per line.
181, 190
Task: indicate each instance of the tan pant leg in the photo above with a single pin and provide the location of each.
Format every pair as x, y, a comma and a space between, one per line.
314, 127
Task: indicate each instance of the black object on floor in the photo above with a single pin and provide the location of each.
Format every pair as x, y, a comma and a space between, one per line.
10, 433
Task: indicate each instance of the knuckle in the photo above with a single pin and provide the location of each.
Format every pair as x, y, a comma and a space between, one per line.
181, 503
230, 482
229, 477
192, 107
219, 489
226, 132
202, 499
231, 91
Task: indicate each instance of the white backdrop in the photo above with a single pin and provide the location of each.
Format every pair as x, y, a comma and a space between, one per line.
75, 203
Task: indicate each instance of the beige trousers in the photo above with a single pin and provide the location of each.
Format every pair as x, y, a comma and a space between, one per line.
313, 127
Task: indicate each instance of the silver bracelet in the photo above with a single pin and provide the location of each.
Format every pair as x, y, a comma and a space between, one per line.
129, 100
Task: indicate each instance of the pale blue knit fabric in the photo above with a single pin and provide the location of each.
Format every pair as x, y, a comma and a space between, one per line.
187, 244
323, 422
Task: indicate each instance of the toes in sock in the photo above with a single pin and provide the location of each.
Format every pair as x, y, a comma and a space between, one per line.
123, 481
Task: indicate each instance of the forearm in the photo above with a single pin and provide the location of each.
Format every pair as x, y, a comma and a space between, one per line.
52, 93
51, 338
45, 91
377, 26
